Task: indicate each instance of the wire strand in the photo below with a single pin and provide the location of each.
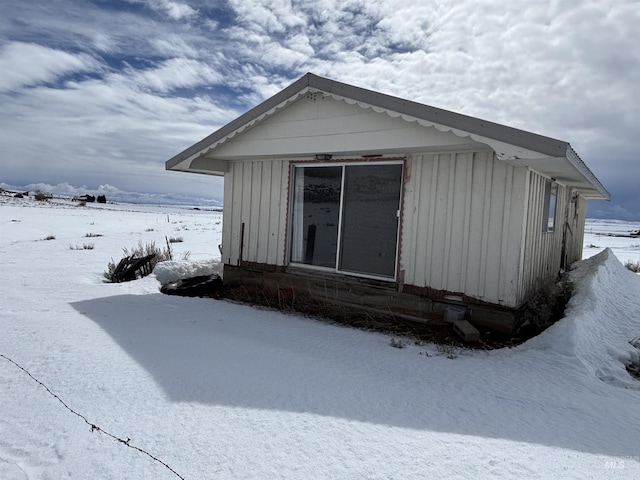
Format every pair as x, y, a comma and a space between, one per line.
94, 427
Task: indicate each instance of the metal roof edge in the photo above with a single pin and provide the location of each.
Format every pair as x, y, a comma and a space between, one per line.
586, 172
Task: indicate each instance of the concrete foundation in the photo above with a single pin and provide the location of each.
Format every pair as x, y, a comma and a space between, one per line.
289, 286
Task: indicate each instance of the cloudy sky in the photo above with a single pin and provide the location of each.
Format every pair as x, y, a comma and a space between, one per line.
103, 92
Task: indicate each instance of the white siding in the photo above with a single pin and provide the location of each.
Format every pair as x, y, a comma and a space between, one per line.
462, 225
257, 193
543, 250
575, 229
578, 229
318, 125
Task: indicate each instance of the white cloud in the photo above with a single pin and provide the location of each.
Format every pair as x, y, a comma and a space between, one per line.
176, 73
172, 45
112, 129
178, 11
268, 16
25, 64
567, 69
173, 10
103, 42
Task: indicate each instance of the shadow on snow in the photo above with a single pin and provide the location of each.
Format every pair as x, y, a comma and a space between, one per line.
217, 352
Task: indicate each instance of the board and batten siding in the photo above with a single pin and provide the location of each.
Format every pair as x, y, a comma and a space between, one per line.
462, 225
575, 231
257, 193
543, 250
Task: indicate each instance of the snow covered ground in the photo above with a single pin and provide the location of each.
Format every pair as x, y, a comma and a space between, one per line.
224, 391
599, 234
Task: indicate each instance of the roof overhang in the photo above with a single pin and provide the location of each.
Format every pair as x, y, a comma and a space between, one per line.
551, 157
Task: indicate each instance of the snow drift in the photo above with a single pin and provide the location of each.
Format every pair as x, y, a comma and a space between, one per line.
601, 319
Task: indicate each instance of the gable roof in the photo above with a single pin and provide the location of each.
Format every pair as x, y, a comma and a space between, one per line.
555, 158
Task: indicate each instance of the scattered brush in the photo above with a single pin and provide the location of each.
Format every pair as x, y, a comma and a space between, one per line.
85, 246
447, 350
633, 266
140, 251
545, 306
41, 196
50, 237
397, 343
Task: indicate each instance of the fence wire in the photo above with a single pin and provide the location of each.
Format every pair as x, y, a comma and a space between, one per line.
94, 427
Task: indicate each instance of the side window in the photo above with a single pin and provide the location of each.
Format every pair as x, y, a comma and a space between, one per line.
550, 201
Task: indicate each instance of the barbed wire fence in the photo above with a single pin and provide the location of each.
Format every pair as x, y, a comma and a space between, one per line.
94, 427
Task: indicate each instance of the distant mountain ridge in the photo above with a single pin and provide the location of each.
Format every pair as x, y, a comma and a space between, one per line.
115, 194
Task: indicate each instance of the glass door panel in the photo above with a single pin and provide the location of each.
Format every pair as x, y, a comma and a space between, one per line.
316, 213
370, 219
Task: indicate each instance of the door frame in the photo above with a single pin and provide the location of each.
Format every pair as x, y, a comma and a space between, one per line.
344, 162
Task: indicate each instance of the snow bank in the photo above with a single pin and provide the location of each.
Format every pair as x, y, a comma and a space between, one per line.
168, 272
600, 321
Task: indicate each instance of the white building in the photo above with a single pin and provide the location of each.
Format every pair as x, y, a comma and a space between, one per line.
340, 194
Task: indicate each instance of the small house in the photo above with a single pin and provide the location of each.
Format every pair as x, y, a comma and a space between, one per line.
345, 195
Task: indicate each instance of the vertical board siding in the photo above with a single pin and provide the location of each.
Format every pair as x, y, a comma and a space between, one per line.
256, 191
252, 198
245, 209
463, 232
543, 250
264, 215
439, 215
410, 202
579, 220
283, 212
575, 229
232, 249
275, 213
456, 227
227, 213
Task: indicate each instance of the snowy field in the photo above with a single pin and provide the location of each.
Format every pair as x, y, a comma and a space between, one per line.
217, 390
600, 234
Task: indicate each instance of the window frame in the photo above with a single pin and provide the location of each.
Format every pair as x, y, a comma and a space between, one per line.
550, 208
291, 207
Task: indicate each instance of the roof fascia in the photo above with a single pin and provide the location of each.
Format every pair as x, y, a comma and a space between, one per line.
577, 162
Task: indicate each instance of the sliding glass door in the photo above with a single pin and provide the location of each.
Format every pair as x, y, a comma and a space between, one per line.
346, 217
